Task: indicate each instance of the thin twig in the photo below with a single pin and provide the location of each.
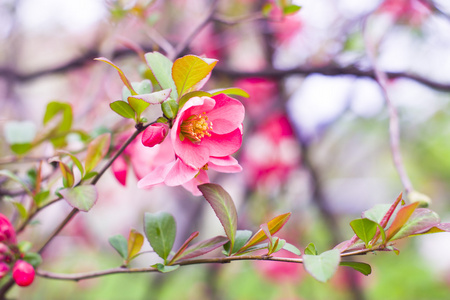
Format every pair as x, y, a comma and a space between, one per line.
394, 127
181, 47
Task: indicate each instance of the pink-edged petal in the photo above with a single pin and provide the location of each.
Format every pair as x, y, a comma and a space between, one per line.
145, 159
194, 155
227, 115
223, 144
193, 184
119, 168
226, 164
180, 173
157, 176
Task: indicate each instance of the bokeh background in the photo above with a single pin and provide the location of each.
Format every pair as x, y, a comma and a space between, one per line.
316, 139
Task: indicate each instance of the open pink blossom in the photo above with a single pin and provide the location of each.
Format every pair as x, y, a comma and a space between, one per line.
141, 159
178, 173
207, 127
7, 232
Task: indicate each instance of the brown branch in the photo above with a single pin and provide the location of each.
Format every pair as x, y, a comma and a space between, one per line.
330, 70
215, 260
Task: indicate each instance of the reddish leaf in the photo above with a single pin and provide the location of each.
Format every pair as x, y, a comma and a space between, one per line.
274, 226
184, 246
401, 218
203, 247
223, 206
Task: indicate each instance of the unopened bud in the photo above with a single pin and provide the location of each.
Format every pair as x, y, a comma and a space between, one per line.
23, 273
155, 134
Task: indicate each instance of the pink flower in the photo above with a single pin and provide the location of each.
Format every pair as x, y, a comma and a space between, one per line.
7, 232
207, 127
23, 273
412, 12
4, 269
154, 134
205, 132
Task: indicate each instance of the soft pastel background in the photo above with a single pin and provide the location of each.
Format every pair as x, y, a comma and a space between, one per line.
315, 145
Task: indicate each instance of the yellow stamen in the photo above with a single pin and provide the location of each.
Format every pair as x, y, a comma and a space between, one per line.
195, 128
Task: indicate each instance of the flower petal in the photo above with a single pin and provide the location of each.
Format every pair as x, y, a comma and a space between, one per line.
194, 155
155, 177
227, 115
193, 184
223, 144
119, 168
180, 173
226, 164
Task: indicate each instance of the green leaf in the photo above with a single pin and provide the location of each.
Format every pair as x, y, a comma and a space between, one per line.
68, 178
63, 126
189, 95
291, 9
231, 91
19, 135
160, 230
165, 269
242, 236
97, 149
20, 149
75, 160
82, 197
184, 246
40, 197
123, 109
400, 219
273, 225
322, 267
12, 176
134, 244
310, 249
376, 213
291, 248
33, 258
24, 246
21, 209
170, 108
363, 268
277, 245
156, 97
119, 243
89, 175
189, 70
138, 105
266, 9
203, 247
224, 208
161, 68
365, 229
121, 74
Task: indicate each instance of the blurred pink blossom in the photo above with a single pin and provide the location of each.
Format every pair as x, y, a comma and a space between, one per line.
412, 12
263, 93
281, 272
7, 232
271, 153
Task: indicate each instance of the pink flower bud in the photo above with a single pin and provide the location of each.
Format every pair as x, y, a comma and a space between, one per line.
4, 269
155, 134
23, 273
7, 232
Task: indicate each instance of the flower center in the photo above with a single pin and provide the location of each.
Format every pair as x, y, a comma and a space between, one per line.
195, 128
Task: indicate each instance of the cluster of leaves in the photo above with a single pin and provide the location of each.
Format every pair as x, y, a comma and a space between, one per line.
391, 225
